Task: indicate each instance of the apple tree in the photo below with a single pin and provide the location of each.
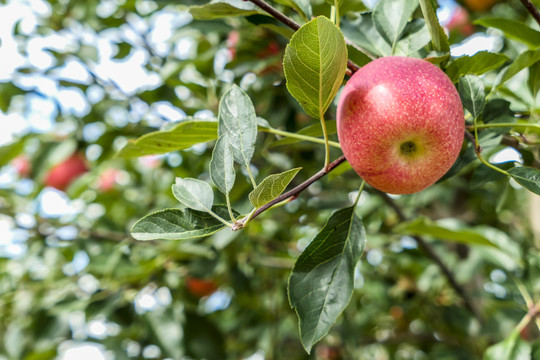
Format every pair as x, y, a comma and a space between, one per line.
256, 179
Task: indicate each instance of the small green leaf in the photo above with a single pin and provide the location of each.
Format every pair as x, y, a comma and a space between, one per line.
218, 9
523, 61
512, 348
238, 120
178, 224
181, 136
322, 280
390, 18
438, 36
271, 187
362, 32
222, 165
473, 96
528, 177
315, 62
515, 30
477, 64
194, 194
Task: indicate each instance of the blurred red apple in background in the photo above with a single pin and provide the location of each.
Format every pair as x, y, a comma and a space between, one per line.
460, 22
200, 287
63, 174
22, 165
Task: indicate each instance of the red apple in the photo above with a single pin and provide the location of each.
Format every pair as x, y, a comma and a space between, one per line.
400, 124
107, 179
200, 287
61, 175
22, 165
460, 22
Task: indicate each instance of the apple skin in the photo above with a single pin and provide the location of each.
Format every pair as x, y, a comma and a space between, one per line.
400, 124
61, 175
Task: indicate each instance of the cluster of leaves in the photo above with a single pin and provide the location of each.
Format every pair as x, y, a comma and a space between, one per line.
395, 304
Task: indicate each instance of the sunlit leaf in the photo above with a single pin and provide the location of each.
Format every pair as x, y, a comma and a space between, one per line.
390, 18
271, 187
515, 30
181, 136
528, 177
438, 36
194, 194
477, 64
315, 62
472, 94
322, 280
362, 32
512, 348
222, 165
238, 120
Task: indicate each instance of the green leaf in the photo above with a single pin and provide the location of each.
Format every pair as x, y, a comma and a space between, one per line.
512, 348
181, 136
425, 227
222, 165
477, 64
438, 36
178, 224
11, 151
271, 187
415, 37
218, 9
523, 61
238, 120
533, 81
194, 194
362, 32
390, 18
528, 177
322, 280
473, 96
315, 63
512, 29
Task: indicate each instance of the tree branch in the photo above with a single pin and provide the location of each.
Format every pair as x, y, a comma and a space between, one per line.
532, 10
276, 14
291, 194
435, 257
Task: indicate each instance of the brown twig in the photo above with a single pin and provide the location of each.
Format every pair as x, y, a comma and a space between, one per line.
293, 25
426, 247
291, 194
532, 10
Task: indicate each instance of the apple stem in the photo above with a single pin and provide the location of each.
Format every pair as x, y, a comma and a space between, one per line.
219, 218
228, 200
478, 150
326, 146
251, 178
